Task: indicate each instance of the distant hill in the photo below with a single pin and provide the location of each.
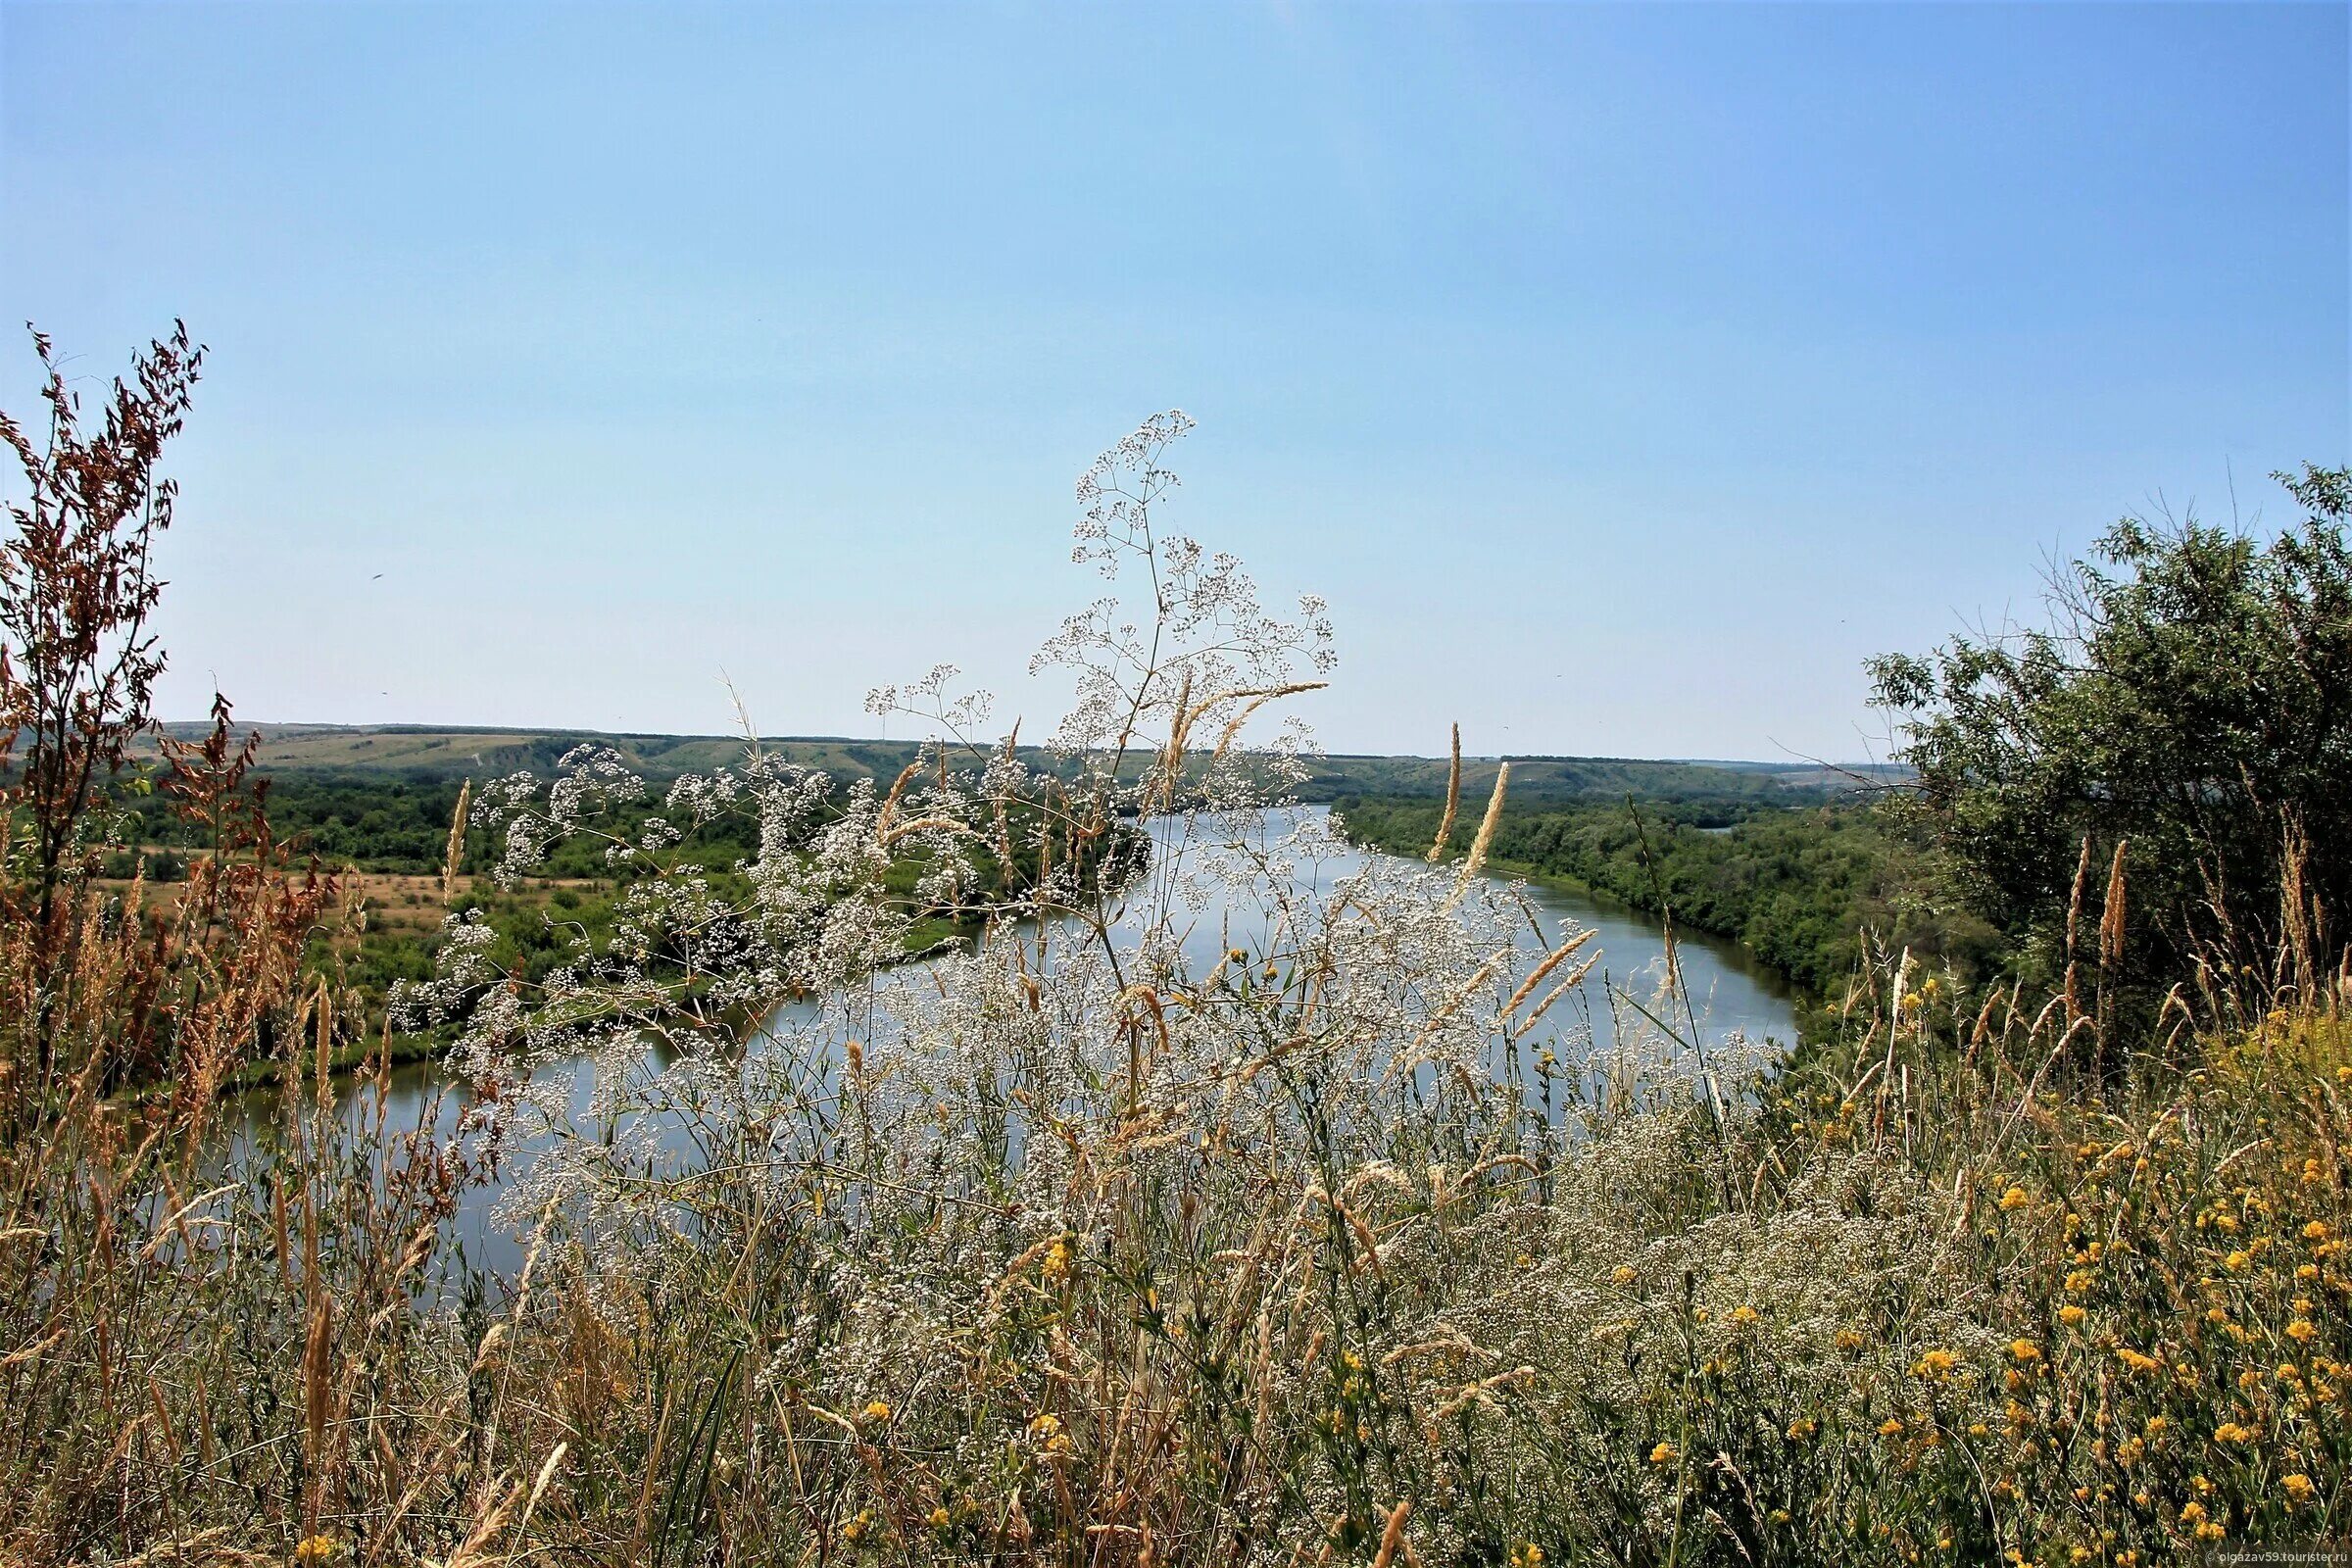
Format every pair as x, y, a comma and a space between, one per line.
422, 753
1565, 778
420, 750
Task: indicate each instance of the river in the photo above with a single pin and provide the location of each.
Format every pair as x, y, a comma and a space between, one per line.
1728, 993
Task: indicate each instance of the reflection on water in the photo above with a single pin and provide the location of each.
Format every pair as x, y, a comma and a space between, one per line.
1728, 993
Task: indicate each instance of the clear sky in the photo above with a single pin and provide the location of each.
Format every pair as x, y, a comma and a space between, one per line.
1622, 376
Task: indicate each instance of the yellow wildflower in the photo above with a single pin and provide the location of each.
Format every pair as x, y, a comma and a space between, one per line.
877, 1411
2071, 1315
2298, 1486
2015, 1197
1664, 1453
2024, 1351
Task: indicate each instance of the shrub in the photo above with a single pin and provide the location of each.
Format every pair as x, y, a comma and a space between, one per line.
2192, 695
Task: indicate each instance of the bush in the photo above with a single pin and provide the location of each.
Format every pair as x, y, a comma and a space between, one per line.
2192, 697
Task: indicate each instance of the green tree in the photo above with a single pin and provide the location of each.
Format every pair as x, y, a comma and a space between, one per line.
2192, 695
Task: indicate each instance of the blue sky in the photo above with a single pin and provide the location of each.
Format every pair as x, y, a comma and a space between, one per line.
1624, 375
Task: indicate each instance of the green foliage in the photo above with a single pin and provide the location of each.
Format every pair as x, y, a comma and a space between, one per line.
2192, 695
372, 821
1799, 888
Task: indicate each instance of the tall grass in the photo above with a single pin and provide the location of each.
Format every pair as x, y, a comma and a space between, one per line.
1102, 1240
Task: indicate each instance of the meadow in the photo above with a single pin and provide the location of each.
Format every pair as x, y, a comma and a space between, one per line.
1098, 1241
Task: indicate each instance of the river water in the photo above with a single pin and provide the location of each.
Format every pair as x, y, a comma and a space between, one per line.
1728, 993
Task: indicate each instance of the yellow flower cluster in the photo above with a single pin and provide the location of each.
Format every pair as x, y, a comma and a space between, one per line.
1936, 1365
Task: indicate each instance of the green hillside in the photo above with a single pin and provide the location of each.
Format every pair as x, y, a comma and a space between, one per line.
420, 752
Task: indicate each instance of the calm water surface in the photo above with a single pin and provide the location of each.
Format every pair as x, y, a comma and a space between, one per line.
1730, 993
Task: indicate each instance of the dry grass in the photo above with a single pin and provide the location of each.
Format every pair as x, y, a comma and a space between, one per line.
1946, 1302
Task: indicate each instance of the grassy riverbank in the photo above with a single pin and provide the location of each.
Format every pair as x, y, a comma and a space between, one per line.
1809, 890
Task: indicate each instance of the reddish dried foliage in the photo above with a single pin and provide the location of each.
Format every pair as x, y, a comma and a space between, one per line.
99, 990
